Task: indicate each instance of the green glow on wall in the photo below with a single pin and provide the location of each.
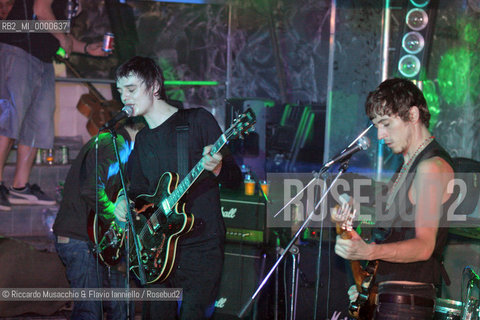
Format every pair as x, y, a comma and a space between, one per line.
458, 70
471, 33
433, 103
169, 74
458, 76
190, 83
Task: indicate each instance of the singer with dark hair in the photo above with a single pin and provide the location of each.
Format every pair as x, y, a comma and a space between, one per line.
82, 195
199, 258
409, 257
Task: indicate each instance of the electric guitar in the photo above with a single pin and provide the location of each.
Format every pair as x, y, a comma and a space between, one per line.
364, 306
160, 219
108, 239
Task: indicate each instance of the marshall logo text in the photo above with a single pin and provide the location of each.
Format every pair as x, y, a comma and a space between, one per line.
229, 214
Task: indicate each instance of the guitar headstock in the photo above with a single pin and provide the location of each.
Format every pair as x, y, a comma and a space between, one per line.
242, 125
343, 215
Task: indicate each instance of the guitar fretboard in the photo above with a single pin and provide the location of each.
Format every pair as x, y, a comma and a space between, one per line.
190, 178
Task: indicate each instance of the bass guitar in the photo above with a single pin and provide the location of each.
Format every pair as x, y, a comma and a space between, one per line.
108, 239
364, 306
160, 219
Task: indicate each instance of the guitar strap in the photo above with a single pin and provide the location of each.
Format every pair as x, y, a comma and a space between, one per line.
182, 129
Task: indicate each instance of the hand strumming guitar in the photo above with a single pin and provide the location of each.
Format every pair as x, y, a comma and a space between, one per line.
120, 211
355, 248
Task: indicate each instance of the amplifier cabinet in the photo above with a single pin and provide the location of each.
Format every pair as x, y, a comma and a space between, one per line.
244, 217
243, 269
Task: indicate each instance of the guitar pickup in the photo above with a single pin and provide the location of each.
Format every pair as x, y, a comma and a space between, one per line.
153, 224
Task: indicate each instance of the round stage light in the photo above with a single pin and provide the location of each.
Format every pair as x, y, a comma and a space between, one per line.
409, 66
413, 42
417, 19
420, 3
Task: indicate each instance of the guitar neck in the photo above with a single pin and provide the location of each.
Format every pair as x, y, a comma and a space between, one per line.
189, 179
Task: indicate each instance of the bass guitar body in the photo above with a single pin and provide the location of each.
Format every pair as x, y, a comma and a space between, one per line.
158, 233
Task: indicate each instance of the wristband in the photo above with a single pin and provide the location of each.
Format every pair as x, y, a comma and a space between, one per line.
85, 48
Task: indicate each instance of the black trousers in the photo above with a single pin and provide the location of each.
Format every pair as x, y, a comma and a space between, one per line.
198, 272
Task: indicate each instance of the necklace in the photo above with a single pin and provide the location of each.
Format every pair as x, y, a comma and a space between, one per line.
405, 168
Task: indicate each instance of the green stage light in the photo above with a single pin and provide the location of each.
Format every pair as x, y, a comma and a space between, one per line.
190, 83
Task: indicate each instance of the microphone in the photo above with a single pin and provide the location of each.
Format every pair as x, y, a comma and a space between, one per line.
126, 112
362, 144
474, 277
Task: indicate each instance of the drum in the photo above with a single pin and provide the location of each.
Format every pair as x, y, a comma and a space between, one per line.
446, 309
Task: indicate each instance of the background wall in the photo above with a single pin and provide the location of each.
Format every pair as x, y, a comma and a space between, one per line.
280, 52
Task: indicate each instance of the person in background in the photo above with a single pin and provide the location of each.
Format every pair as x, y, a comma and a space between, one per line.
5, 7
82, 195
27, 93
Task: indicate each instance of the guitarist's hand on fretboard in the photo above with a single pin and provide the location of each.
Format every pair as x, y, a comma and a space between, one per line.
213, 162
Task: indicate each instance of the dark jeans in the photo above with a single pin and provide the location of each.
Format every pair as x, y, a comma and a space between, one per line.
198, 273
395, 311
81, 266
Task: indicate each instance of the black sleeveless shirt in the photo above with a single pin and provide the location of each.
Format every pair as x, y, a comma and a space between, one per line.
403, 228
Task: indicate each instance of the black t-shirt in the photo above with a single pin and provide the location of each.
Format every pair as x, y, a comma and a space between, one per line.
40, 45
79, 197
155, 153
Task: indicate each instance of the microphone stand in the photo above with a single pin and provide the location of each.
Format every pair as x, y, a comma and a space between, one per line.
129, 227
470, 305
342, 169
